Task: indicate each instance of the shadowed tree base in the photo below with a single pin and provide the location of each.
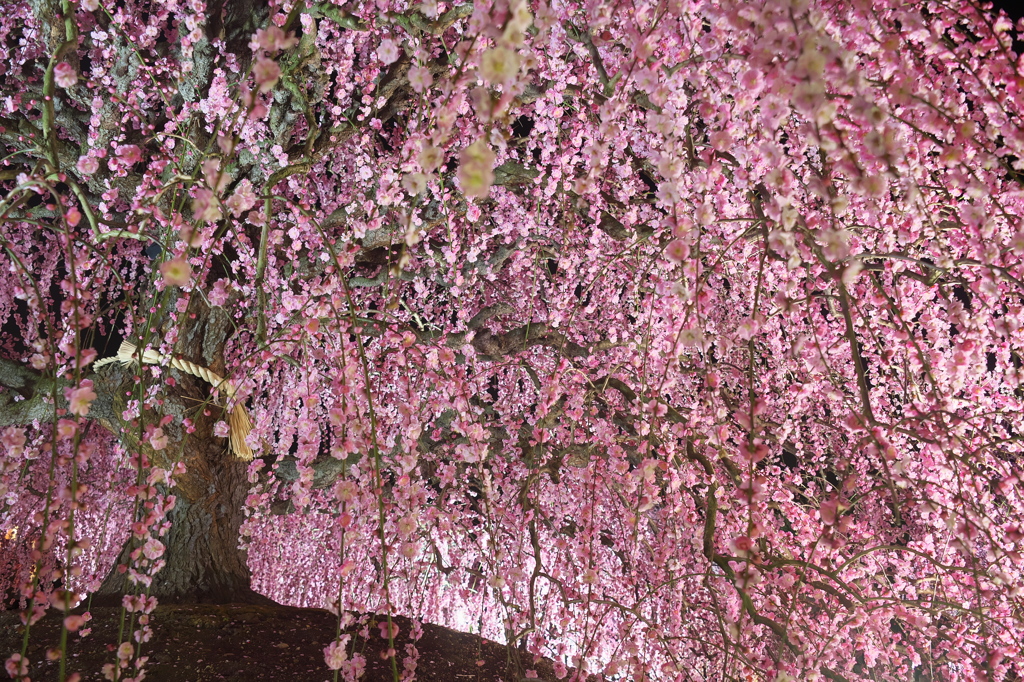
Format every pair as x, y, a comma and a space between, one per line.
204, 562
249, 643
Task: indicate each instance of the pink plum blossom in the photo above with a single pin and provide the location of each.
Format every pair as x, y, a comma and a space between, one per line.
129, 154
80, 398
205, 206
499, 65
88, 164
243, 198
64, 75
267, 72
388, 51
336, 654
420, 78
273, 39
476, 169
176, 272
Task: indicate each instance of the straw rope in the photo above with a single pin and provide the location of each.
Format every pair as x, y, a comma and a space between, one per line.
238, 418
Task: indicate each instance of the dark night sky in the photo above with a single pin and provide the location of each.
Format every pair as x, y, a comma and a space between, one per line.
1014, 8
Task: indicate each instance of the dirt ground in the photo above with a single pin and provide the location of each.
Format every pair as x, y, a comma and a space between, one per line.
246, 643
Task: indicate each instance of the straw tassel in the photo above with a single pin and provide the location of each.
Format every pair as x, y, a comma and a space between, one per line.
238, 418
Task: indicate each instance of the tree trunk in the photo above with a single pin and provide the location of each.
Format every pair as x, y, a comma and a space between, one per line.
204, 561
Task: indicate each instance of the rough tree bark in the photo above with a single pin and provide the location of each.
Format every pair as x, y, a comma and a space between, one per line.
204, 561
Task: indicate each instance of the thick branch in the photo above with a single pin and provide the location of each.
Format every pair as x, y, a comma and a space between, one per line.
29, 397
18, 378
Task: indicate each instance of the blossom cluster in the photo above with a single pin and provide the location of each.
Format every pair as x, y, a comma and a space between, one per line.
667, 340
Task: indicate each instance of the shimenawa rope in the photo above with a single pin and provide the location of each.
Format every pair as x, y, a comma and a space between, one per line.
238, 418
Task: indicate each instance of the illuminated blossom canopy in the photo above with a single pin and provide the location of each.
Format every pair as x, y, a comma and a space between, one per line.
677, 338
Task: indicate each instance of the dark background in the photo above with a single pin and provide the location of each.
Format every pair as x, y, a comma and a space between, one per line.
1013, 8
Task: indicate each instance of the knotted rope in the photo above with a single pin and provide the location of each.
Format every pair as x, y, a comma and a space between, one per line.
238, 418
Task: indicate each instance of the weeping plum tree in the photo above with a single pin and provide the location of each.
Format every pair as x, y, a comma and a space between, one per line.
675, 339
